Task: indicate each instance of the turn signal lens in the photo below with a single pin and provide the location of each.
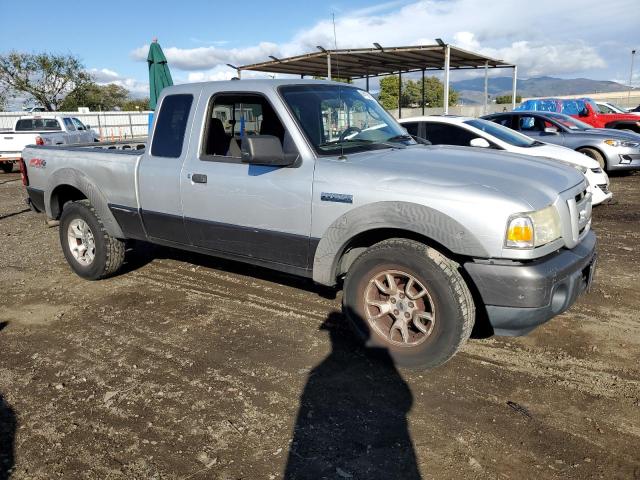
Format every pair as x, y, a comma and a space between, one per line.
520, 233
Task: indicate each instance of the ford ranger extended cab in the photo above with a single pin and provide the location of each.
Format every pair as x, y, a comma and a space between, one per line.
316, 179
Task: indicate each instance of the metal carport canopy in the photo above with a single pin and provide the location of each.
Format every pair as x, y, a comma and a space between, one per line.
358, 63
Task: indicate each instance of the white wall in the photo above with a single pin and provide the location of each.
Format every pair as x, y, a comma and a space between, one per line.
107, 125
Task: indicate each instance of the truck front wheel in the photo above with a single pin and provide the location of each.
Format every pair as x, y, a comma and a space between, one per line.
90, 251
410, 300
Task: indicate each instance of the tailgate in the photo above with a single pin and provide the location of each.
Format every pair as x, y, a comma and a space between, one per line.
12, 144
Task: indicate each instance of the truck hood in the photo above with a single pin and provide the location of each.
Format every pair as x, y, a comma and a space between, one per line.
535, 181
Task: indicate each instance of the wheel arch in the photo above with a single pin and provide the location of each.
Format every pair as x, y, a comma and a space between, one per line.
597, 149
624, 125
70, 185
362, 227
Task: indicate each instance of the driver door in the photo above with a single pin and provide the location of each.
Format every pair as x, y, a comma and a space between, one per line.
249, 211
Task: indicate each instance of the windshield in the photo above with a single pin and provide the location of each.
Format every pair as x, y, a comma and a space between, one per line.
569, 122
342, 119
503, 133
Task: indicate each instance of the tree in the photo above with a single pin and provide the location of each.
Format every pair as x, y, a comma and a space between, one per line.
3, 99
507, 98
412, 93
134, 104
96, 97
388, 96
46, 77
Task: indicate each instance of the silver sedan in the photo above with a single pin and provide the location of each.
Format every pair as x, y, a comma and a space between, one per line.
613, 149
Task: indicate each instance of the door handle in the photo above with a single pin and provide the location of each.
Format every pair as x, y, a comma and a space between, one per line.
199, 178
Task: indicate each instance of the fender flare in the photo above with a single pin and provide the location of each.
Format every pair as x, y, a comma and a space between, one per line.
406, 216
78, 180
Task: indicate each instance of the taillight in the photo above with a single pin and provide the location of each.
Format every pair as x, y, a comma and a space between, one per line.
39, 141
23, 172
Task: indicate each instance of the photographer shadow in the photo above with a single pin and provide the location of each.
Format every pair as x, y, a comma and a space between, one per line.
352, 420
8, 425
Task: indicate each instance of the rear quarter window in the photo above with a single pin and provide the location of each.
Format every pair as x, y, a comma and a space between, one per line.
171, 124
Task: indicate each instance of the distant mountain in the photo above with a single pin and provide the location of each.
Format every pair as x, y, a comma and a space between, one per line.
471, 90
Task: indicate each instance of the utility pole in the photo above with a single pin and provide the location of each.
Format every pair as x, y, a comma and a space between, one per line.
633, 54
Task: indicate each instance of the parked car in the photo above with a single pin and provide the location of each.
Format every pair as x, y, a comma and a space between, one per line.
474, 132
420, 237
584, 109
607, 107
36, 130
612, 149
34, 109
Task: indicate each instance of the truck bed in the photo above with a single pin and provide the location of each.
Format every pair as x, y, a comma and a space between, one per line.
108, 169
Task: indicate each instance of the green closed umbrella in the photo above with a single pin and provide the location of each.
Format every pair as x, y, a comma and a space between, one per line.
159, 75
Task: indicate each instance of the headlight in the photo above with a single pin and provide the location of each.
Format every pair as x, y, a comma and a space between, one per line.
620, 143
533, 229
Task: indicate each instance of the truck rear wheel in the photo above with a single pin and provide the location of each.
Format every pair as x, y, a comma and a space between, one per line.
7, 167
410, 300
90, 251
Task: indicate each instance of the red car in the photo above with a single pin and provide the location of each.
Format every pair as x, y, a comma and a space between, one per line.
586, 110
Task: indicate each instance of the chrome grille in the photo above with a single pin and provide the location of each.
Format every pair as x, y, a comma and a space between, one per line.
580, 214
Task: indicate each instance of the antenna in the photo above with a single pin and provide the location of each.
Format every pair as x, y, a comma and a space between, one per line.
335, 46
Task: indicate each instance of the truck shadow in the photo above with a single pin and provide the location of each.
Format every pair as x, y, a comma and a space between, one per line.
352, 420
139, 254
8, 425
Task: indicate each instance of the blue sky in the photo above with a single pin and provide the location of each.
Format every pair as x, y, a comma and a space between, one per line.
585, 38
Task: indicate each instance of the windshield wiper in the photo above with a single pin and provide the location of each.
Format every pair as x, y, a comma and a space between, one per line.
397, 138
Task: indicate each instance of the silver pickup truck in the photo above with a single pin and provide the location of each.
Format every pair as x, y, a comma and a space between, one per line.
316, 179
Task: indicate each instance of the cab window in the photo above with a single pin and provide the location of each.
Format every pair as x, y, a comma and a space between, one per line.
69, 124
79, 125
171, 125
232, 117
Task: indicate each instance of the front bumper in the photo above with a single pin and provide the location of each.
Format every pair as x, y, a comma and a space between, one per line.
519, 296
624, 160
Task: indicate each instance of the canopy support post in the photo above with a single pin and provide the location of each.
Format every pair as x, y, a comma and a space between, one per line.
447, 55
367, 80
423, 105
486, 87
515, 81
328, 66
400, 94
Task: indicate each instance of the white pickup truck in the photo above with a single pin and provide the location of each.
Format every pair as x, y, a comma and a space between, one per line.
36, 130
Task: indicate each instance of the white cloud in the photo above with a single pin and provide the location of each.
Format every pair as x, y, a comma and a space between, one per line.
546, 37
105, 76
209, 57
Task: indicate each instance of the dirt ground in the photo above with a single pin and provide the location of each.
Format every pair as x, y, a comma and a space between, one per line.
189, 367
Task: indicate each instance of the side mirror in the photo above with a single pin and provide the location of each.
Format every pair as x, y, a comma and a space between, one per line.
264, 150
479, 142
552, 130
88, 126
